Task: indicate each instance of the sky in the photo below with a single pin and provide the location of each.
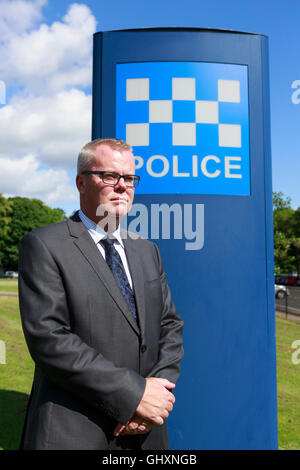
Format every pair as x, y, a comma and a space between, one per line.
46, 77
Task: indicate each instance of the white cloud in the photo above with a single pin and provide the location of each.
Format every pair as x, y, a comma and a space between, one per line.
47, 119
24, 177
18, 16
53, 57
54, 127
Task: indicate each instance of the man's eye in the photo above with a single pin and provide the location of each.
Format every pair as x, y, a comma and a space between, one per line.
129, 179
110, 177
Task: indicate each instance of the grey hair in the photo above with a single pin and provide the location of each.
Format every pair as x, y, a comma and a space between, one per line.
87, 152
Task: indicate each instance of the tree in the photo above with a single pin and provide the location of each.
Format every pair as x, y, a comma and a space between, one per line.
280, 202
27, 214
5, 220
295, 253
296, 223
283, 259
286, 235
282, 214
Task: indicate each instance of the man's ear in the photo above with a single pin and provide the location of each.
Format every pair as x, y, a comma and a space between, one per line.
80, 183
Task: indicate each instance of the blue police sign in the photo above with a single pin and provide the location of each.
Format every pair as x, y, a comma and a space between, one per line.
188, 124
194, 105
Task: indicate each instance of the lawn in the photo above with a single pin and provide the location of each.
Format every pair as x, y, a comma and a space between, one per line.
16, 378
9, 285
288, 385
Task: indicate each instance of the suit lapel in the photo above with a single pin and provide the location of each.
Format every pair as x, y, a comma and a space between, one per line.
137, 279
89, 250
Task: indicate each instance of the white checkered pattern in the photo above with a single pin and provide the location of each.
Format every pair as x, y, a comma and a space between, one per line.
183, 133
160, 111
137, 89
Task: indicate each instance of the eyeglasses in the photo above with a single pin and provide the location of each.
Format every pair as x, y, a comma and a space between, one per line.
111, 178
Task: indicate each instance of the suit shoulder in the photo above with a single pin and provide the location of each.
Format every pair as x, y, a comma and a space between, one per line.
126, 234
147, 244
142, 244
56, 230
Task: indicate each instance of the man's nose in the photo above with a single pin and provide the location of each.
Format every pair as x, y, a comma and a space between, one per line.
121, 185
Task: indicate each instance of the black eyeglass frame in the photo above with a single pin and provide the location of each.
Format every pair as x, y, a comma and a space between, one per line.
101, 173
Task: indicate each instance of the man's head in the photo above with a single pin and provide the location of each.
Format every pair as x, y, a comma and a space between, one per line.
99, 199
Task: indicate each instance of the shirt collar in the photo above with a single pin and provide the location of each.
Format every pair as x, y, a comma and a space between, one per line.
96, 231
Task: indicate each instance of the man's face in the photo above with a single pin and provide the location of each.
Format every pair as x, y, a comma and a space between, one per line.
115, 200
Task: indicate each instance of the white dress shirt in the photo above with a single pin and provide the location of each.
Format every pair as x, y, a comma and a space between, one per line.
97, 234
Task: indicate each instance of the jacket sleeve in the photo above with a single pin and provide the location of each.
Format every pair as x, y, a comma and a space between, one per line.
170, 343
60, 354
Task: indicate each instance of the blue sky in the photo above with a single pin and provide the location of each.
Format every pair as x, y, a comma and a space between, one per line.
40, 140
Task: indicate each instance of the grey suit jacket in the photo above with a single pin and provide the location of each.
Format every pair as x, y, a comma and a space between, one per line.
91, 357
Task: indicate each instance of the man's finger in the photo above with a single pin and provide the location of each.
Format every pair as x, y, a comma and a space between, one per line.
118, 429
132, 425
169, 407
172, 398
158, 420
165, 382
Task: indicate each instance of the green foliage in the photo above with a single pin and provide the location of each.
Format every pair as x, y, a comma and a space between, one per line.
5, 220
21, 215
280, 202
296, 223
295, 253
286, 235
282, 258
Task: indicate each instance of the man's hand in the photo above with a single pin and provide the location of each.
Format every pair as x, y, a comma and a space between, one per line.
155, 406
157, 402
136, 425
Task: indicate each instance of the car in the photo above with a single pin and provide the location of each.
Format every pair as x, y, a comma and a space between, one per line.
280, 280
291, 281
11, 274
281, 291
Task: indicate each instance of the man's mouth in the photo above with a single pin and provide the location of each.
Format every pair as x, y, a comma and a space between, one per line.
119, 200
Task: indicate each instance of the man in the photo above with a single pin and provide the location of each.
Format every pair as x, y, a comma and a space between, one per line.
98, 319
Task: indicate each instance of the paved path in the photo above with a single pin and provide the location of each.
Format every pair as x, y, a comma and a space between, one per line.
8, 294
293, 300
289, 316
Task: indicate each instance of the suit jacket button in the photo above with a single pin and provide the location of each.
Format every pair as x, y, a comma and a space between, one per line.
143, 348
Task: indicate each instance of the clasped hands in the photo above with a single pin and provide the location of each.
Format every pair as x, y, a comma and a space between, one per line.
154, 407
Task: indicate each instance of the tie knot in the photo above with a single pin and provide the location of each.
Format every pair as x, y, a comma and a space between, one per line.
108, 241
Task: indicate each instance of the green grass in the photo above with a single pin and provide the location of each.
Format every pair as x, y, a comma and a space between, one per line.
16, 378
9, 285
288, 385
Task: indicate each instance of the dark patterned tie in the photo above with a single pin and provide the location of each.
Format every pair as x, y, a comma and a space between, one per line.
114, 261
